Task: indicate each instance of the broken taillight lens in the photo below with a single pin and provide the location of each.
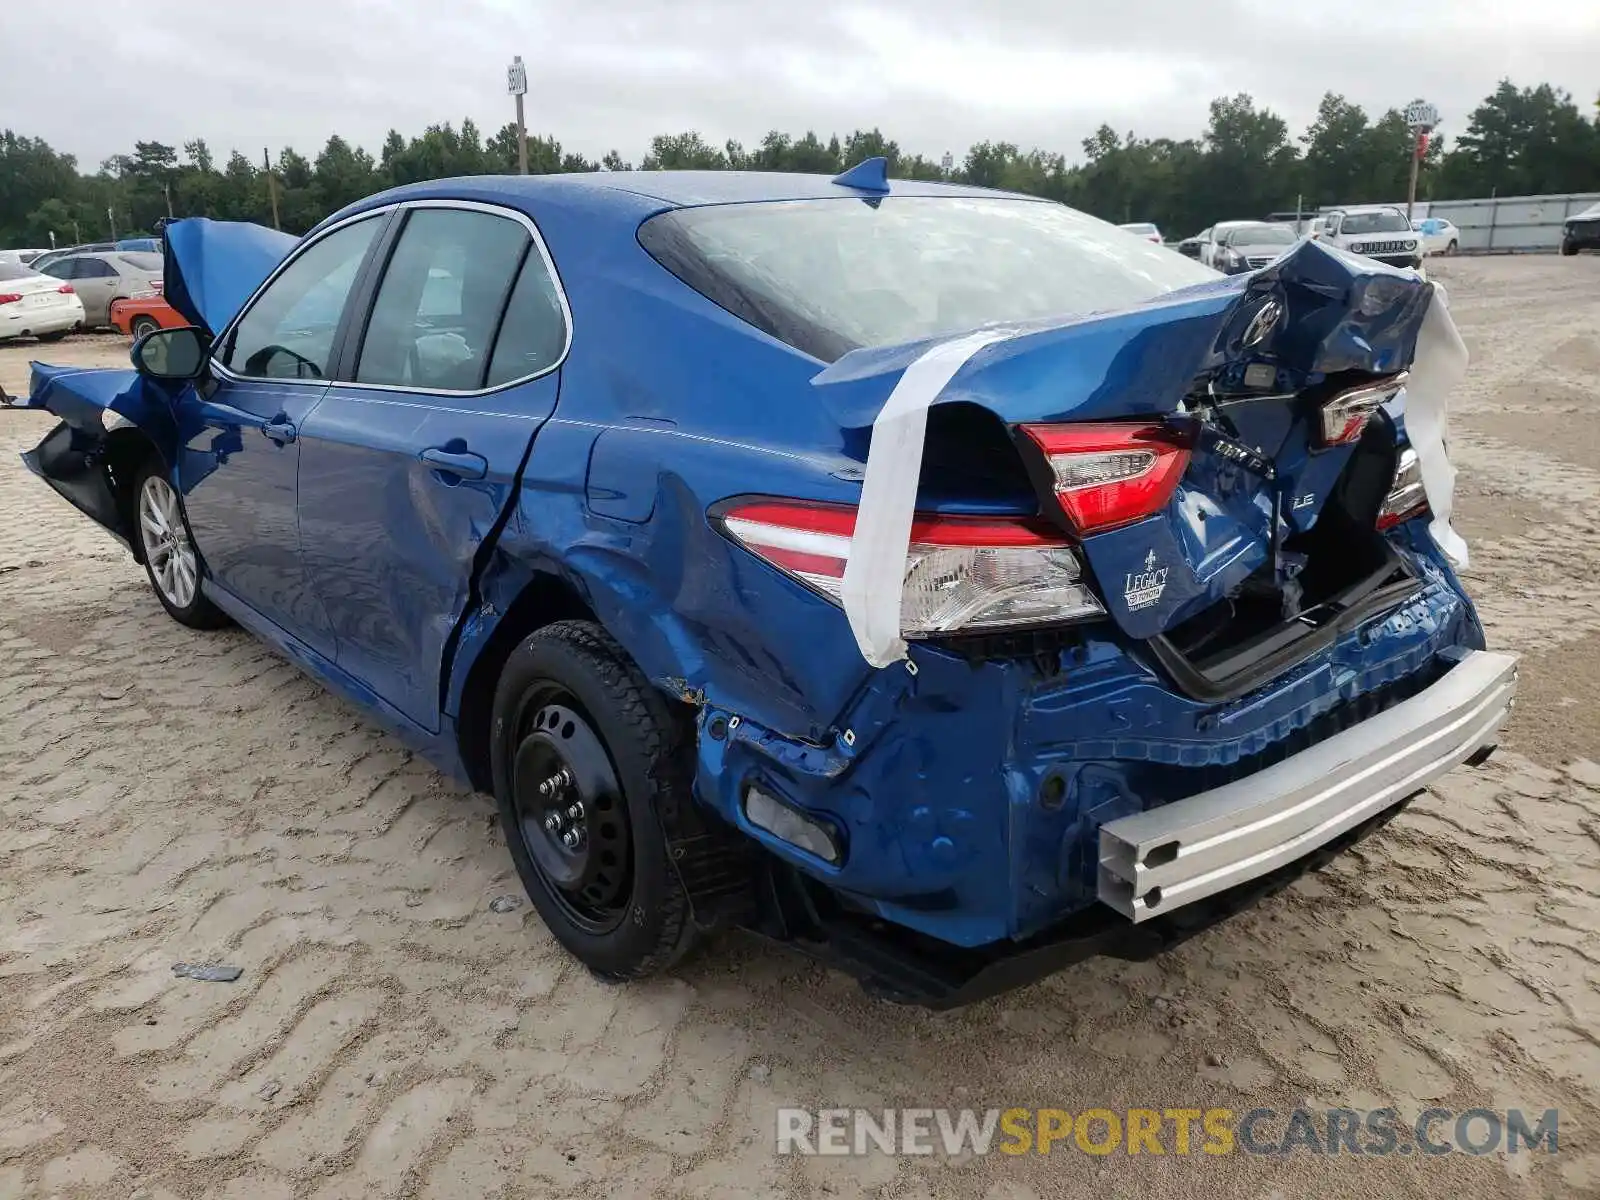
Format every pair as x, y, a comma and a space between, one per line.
962, 574
1345, 417
1406, 497
1106, 474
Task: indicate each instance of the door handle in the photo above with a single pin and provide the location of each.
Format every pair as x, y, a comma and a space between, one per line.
461, 464
280, 431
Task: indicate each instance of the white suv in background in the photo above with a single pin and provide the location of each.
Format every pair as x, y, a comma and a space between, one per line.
1379, 231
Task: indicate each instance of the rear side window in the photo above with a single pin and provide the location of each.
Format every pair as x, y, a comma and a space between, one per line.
94, 268
434, 319
533, 335
830, 276
288, 332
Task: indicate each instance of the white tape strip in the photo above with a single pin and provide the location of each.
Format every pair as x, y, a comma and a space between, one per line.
874, 577
1437, 371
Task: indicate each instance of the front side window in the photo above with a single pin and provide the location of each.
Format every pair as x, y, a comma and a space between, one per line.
434, 320
829, 276
288, 332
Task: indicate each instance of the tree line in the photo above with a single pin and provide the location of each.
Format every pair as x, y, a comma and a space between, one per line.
1518, 141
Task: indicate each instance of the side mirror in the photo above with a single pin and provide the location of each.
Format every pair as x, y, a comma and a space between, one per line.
171, 353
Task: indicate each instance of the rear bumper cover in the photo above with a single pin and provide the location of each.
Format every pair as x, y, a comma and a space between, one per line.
1156, 861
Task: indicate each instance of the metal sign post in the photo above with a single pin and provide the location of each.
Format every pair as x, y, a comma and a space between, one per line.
517, 85
1421, 118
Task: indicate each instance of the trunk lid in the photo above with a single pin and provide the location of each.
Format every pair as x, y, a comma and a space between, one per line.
1239, 368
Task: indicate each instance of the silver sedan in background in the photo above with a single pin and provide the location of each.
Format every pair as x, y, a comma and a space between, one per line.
103, 276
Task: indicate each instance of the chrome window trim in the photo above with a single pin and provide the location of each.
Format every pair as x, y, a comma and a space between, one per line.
497, 210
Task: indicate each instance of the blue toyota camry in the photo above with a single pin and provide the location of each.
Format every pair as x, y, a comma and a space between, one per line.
943, 581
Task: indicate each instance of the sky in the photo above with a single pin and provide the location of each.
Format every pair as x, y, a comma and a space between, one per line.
93, 76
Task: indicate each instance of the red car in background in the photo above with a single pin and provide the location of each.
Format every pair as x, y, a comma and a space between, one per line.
145, 313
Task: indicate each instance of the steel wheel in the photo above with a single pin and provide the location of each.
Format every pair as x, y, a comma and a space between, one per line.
142, 326
174, 567
571, 817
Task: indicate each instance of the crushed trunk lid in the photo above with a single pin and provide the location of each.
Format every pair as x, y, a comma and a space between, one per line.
1240, 368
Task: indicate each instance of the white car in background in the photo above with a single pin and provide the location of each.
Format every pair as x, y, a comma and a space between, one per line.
1379, 231
1438, 235
35, 305
1145, 230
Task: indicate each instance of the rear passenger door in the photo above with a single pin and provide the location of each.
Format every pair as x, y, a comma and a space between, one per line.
411, 460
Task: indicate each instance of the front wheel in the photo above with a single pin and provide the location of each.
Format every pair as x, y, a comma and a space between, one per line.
1452, 247
170, 558
589, 762
54, 335
1569, 248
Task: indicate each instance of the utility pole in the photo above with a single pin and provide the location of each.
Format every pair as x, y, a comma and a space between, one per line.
272, 187
166, 190
517, 85
111, 219
1421, 118
77, 237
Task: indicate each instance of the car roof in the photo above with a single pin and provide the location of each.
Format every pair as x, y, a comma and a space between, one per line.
682, 189
1364, 208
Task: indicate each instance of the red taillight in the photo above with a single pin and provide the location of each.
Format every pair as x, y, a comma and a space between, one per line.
10, 297
1106, 474
1407, 498
1345, 417
962, 573
65, 289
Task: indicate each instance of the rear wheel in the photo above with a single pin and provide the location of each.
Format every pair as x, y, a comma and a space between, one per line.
53, 336
142, 326
1452, 247
588, 760
170, 558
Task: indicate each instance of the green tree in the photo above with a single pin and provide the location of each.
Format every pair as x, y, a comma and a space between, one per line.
683, 152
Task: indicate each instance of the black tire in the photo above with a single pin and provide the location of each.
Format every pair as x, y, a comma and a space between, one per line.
574, 670
1569, 248
1452, 247
53, 336
196, 611
142, 326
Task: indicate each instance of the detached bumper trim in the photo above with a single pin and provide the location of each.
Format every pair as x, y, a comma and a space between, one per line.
1154, 862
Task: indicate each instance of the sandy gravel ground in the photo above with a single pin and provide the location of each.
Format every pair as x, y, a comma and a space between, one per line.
168, 796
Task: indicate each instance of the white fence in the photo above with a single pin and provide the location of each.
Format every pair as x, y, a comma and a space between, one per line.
1511, 224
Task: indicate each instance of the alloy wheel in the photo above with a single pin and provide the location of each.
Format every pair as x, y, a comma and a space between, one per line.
173, 564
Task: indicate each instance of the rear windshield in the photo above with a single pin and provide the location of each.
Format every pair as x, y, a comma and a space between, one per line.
1375, 222
15, 270
830, 276
142, 260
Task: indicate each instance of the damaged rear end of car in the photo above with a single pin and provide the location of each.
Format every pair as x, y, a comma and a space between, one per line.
1159, 610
